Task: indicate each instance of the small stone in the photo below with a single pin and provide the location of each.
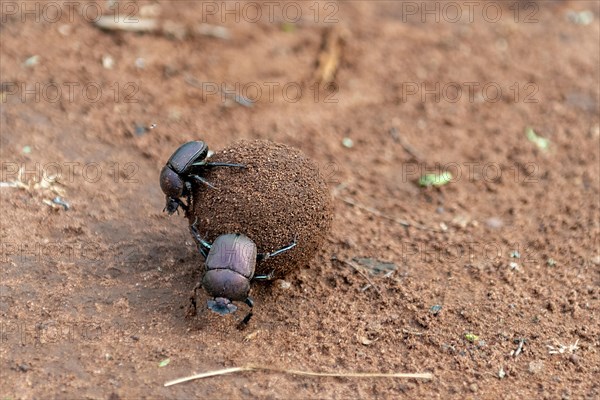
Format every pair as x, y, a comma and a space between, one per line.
435, 309
283, 284
536, 366
494, 223
108, 62
65, 29
585, 17
23, 367
501, 373
140, 63
473, 387
574, 358
32, 61
347, 143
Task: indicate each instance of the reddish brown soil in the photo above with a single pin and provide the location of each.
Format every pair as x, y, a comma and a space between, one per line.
94, 298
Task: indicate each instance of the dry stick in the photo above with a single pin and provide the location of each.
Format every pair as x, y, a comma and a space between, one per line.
407, 147
357, 269
303, 373
382, 215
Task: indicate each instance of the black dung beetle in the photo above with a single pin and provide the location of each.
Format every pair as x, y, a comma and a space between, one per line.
230, 265
185, 164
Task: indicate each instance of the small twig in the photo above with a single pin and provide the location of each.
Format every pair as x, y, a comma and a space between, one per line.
359, 270
330, 55
302, 373
14, 184
378, 213
405, 145
519, 348
412, 332
241, 100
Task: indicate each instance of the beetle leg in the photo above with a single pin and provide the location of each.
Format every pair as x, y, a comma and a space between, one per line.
204, 181
266, 277
266, 256
218, 164
249, 301
188, 196
200, 242
173, 205
182, 204
243, 323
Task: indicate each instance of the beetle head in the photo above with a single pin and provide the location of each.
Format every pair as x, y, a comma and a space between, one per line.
171, 206
171, 184
221, 305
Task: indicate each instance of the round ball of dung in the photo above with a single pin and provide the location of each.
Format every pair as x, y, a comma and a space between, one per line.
279, 195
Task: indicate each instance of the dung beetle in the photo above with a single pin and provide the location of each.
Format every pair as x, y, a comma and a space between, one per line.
230, 264
185, 165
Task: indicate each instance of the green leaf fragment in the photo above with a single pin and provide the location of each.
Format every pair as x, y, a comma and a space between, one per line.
539, 141
471, 337
435, 179
164, 362
288, 27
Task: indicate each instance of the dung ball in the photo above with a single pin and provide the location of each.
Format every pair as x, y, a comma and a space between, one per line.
279, 195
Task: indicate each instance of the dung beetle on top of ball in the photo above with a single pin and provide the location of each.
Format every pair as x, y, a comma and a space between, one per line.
230, 265
185, 165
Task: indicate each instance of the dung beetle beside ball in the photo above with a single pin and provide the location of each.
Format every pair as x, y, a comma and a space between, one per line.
230, 264
185, 165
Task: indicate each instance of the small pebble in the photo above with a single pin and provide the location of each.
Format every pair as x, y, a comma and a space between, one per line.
574, 358
140, 130
536, 366
283, 284
140, 63
32, 61
64, 29
23, 367
26, 149
494, 223
585, 17
108, 62
501, 373
473, 387
435, 309
347, 143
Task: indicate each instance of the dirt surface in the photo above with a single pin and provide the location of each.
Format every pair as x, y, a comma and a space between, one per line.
490, 282
279, 196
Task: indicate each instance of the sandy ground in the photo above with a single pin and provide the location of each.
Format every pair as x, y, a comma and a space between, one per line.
490, 282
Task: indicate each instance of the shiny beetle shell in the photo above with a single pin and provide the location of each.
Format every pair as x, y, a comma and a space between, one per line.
187, 154
230, 266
